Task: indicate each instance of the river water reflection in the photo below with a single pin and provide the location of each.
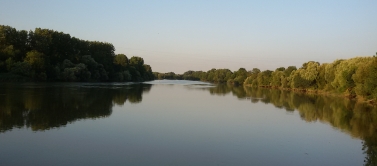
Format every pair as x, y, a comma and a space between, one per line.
180, 123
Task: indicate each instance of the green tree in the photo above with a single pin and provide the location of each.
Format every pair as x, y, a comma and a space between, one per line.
252, 79
264, 78
365, 79
222, 75
52, 54
277, 77
136, 61
77, 73
330, 74
296, 81
288, 71
321, 77
239, 76
305, 77
21, 68
121, 59
36, 60
343, 81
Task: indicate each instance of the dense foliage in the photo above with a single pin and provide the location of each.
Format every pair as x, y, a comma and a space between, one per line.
213, 75
353, 77
47, 55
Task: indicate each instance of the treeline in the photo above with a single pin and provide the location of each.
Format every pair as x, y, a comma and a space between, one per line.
352, 77
48, 55
355, 77
213, 75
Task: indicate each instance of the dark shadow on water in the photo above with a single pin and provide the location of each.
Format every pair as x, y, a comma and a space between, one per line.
45, 106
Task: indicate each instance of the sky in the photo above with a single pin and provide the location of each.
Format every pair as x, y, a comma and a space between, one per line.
177, 36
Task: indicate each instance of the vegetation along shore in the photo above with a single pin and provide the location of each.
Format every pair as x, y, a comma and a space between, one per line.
48, 55
353, 78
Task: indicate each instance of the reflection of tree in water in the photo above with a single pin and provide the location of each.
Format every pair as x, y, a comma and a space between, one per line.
357, 119
45, 107
370, 149
224, 89
133, 94
42, 108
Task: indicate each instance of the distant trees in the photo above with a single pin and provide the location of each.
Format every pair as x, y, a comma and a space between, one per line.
213, 75
264, 78
277, 76
47, 55
305, 77
239, 76
252, 79
353, 77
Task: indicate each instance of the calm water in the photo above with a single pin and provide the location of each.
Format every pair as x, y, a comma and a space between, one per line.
180, 123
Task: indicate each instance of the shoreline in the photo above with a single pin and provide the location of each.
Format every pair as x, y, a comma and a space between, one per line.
356, 98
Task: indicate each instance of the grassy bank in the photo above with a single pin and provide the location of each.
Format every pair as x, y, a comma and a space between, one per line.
9, 77
357, 98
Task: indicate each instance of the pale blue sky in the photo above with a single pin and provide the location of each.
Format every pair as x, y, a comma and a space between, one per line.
199, 35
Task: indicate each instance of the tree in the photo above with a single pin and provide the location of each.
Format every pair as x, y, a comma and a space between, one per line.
343, 81
50, 54
288, 71
41, 40
296, 81
136, 61
77, 73
321, 80
330, 74
309, 71
221, 75
277, 76
21, 68
148, 74
13, 43
36, 60
252, 79
264, 78
239, 76
305, 77
365, 79
121, 59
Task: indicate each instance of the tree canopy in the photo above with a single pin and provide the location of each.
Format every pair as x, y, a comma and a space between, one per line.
48, 55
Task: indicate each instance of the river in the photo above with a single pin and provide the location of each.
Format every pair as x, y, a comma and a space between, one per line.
167, 122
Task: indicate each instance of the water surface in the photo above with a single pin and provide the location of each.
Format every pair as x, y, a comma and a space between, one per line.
180, 123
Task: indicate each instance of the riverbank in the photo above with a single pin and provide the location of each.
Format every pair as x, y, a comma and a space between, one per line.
357, 98
13, 78
9, 77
